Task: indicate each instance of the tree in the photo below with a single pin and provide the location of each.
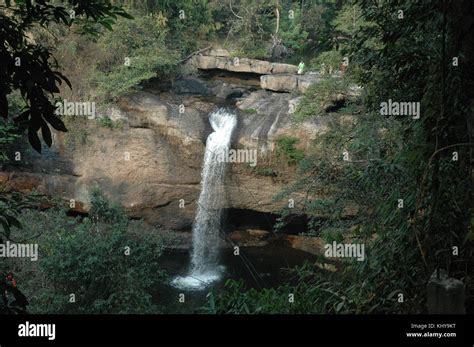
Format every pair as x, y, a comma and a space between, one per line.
392, 158
28, 67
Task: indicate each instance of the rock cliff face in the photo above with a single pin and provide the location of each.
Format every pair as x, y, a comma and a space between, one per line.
149, 157
151, 164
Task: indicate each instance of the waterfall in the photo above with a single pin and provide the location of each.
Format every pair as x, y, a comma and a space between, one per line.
207, 224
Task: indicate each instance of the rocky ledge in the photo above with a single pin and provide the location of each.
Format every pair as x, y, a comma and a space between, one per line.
236, 64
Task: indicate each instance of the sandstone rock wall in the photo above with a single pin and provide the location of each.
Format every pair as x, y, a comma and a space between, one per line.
154, 160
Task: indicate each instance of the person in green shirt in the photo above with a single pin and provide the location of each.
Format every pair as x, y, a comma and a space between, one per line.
300, 68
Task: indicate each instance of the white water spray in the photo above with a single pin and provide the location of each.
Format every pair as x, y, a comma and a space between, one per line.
206, 227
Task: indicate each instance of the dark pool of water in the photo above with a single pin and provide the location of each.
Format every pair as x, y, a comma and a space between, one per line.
258, 267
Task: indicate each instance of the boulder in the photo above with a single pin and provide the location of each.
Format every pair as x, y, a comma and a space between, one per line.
288, 83
279, 83
279, 68
261, 67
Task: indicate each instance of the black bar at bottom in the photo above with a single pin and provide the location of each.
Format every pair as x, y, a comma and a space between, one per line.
452, 330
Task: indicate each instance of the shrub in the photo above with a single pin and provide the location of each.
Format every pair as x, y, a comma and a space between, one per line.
286, 148
133, 53
327, 62
87, 257
321, 97
93, 265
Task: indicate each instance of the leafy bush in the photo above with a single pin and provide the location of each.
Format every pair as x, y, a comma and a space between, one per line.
327, 62
93, 265
104, 211
322, 97
286, 148
88, 257
237, 299
133, 53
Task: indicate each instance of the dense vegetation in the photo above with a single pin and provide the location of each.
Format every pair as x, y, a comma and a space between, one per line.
102, 263
368, 160
389, 158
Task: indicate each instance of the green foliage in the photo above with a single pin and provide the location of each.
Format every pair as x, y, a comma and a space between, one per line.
105, 211
8, 135
295, 38
106, 122
350, 21
190, 21
315, 292
320, 97
292, 33
237, 300
389, 159
11, 205
332, 234
437, 214
327, 62
264, 171
373, 179
252, 25
252, 51
92, 265
286, 148
316, 20
38, 79
87, 257
142, 43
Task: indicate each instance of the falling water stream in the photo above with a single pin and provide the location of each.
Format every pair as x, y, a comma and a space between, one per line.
207, 224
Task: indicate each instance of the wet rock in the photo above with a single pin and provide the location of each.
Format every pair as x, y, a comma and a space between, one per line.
229, 91
191, 86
